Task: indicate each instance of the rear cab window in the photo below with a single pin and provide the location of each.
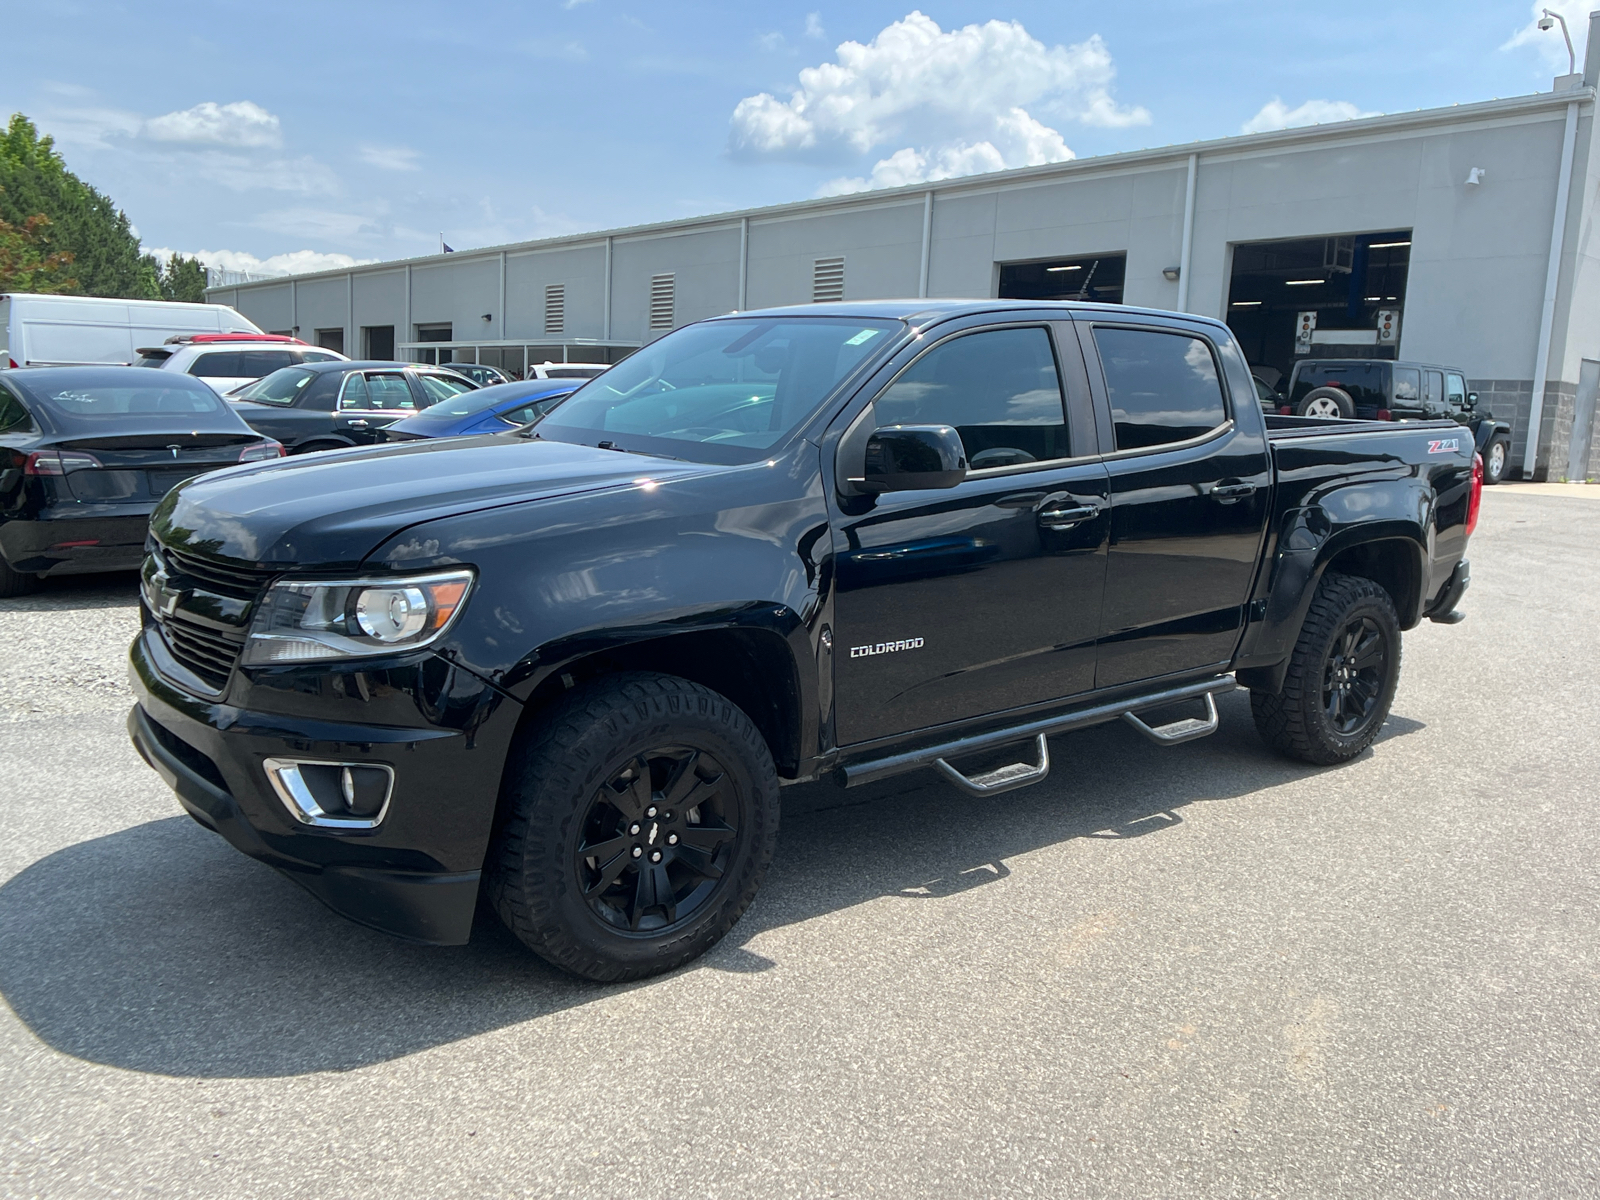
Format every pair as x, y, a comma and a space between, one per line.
1366, 383
1164, 387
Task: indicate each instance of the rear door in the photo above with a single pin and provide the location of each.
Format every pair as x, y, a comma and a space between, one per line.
1190, 485
959, 602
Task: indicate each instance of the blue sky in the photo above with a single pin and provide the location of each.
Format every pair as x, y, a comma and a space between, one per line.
299, 134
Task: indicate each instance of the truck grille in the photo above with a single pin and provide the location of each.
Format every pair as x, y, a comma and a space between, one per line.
240, 580
209, 654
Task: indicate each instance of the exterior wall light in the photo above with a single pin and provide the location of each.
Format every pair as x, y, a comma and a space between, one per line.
488, 316
1171, 273
1475, 176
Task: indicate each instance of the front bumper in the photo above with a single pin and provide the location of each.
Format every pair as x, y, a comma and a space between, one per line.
415, 876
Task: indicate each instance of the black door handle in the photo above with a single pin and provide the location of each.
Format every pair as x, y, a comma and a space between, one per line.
1227, 493
1066, 516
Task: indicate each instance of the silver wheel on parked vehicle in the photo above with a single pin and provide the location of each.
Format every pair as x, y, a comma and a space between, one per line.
1494, 463
1327, 404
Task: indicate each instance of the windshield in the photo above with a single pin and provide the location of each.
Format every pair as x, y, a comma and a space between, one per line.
723, 391
281, 387
79, 400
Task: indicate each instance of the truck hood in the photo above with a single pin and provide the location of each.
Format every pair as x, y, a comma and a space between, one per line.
333, 508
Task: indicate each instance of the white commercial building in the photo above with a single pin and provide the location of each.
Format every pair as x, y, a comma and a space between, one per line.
1464, 236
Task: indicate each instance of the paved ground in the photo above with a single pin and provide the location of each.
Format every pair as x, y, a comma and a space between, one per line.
1192, 972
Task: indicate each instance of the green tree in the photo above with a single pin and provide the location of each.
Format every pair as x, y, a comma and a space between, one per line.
183, 279
83, 222
27, 262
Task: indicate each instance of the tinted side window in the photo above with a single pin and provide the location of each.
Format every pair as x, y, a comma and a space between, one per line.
1407, 385
1432, 386
1455, 391
263, 362
223, 364
1163, 386
437, 387
13, 417
355, 392
998, 388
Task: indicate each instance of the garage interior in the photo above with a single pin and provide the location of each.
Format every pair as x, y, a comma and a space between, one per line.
1097, 277
1354, 285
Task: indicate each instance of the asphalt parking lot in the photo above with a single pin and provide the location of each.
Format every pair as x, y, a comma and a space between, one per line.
1199, 971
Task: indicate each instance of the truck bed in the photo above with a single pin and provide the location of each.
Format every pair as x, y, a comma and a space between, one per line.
1280, 428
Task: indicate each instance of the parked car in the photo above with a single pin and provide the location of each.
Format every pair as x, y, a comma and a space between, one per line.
571, 667
566, 370
1398, 391
496, 409
481, 374
227, 362
86, 453
58, 331
328, 405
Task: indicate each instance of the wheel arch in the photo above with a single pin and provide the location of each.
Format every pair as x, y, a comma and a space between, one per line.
753, 665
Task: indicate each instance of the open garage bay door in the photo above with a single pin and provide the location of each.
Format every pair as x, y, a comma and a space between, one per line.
1335, 297
1097, 277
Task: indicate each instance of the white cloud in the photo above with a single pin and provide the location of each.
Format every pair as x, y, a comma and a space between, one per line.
240, 124
294, 262
1275, 114
1551, 46
391, 158
956, 101
814, 26
770, 41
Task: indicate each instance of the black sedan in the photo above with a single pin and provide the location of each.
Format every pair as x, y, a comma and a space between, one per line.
87, 452
324, 406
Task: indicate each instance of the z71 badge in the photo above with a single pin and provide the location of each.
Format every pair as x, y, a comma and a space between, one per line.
1444, 446
885, 648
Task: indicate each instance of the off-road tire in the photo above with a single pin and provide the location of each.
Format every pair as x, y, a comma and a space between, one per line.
1491, 475
1340, 397
554, 773
1295, 720
16, 583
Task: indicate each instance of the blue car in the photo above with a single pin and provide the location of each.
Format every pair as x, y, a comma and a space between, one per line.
487, 410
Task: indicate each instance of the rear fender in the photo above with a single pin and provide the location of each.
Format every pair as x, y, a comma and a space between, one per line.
1378, 527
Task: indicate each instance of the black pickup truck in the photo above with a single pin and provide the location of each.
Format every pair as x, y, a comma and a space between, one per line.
571, 666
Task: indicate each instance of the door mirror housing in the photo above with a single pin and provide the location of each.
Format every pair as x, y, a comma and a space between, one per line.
903, 458
1472, 399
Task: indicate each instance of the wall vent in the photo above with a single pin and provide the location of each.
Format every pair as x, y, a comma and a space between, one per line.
555, 308
827, 280
663, 289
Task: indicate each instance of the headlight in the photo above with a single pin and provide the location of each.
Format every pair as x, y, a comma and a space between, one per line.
347, 618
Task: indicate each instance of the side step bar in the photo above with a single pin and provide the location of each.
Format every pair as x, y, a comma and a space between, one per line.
1016, 775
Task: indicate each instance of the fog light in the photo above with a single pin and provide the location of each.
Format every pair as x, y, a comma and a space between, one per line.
332, 795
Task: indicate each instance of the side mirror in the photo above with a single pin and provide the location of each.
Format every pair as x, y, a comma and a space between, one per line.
1472, 399
903, 458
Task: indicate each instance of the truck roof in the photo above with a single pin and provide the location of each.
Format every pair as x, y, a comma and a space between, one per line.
925, 311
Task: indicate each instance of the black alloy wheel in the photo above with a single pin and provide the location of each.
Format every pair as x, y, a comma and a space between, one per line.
1354, 674
637, 818
1341, 677
657, 839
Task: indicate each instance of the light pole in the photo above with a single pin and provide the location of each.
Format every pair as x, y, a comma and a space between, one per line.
1546, 22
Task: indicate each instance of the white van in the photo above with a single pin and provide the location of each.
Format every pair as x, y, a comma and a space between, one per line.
60, 331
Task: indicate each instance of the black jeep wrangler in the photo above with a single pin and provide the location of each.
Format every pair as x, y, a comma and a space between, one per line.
1397, 391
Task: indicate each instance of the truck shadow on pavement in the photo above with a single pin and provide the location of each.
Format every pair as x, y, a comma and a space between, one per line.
160, 949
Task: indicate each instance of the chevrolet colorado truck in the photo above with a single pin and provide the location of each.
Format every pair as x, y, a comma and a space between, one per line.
569, 668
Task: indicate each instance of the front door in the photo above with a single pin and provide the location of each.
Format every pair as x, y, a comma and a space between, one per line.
985, 597
1189, 496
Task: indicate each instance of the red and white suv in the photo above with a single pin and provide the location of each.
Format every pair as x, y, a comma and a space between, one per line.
229, 360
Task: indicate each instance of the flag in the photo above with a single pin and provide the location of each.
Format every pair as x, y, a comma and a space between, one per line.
448, 248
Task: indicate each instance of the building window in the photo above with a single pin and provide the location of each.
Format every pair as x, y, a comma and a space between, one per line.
377, 342
435, 333
331, 339
555, 308
663, 289
827, 280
